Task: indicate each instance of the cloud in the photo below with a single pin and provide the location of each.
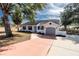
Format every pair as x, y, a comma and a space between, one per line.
57, 11
56, 8
52, 10
60, 5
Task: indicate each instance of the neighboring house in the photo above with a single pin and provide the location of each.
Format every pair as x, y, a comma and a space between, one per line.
48, 27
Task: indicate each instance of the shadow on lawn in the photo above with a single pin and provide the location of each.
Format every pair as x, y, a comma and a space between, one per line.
4, 36
4, 39
17, 37
46, 36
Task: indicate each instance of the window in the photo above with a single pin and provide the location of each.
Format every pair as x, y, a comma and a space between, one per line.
24, 27
29, 27
40, 27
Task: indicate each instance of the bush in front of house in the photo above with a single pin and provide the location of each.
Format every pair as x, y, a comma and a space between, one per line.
72, 31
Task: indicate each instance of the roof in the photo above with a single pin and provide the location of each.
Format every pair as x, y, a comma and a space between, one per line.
43, 21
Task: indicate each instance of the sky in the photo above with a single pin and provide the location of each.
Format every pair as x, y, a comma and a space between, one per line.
52, 11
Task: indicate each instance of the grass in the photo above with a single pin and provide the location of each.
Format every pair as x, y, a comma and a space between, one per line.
18, 37
73, 31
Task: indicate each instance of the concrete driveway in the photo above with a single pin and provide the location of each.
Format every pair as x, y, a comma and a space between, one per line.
37, 46
65, 46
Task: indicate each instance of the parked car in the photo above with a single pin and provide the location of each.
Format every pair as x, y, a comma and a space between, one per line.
61, 33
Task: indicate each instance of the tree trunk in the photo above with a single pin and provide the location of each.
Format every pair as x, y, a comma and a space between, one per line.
7, 26
65, 27
17, 27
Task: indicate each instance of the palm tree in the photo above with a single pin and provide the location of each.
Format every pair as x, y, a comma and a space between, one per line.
5, 7
1, 24
29, 11
17, 17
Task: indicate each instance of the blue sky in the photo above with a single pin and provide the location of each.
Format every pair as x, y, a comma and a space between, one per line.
1, 13
52, 11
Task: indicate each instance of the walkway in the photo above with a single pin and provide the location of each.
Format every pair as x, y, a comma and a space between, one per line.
37, 46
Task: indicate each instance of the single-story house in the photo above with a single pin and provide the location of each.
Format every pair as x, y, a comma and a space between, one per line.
47, 27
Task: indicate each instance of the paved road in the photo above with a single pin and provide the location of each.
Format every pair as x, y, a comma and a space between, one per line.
37, 46
65, 47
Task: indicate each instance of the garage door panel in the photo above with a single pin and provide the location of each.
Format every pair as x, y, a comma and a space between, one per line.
50, 31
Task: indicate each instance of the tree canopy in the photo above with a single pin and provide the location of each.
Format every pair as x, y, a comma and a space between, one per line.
28, 10
70, 14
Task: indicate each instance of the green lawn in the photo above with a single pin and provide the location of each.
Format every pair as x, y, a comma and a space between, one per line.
18, 37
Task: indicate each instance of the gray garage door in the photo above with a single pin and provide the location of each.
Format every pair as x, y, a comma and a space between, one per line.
50, 31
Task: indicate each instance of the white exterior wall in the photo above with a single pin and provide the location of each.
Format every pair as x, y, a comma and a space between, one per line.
41, 31
47, 25
32, 28
56, 26
21, 28
28, 29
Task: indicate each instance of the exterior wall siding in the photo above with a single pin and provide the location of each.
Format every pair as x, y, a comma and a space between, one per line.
46, 25
33, 29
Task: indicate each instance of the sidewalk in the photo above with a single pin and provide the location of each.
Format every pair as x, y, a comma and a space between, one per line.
34, 47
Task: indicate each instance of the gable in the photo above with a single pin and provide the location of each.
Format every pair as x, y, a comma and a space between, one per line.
51, 24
